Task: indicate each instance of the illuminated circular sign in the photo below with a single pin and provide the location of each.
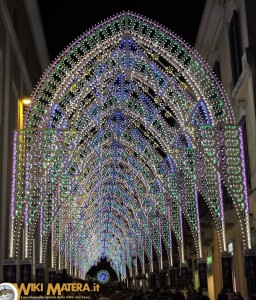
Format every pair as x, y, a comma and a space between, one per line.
103, 276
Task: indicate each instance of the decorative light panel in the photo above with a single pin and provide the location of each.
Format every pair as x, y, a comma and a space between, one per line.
124, 132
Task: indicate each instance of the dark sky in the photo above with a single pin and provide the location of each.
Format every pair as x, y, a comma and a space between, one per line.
65, 20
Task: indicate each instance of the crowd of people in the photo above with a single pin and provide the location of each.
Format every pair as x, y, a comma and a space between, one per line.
149, 294
156, 294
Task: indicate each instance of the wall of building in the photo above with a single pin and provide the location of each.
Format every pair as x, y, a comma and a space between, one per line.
213, 43
21, 65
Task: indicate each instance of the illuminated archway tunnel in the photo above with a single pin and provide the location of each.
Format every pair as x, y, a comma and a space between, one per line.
126, 128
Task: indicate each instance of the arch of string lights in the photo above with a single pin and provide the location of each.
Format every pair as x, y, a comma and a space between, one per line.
126, 128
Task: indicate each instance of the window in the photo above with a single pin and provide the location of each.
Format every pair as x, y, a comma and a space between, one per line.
235, 47
209, 262
230, 249
242, 125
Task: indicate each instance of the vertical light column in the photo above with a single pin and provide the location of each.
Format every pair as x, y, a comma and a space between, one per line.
198, 224
27, 178
70, 250
143, 262
170, 235
41, 235
246, 200
124, 271
181, 238
75, 266
151, 254
143, 252
59, 226
22, 106
59, 256
222, 215
52, 233
160, 242
180, 199
70, 267
52, 246
136, 267
65, 250
12, 212
26, 231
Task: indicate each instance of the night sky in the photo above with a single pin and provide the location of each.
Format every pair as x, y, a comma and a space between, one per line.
64, 21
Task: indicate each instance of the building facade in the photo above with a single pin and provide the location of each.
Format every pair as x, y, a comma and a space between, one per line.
226, 39
23, 58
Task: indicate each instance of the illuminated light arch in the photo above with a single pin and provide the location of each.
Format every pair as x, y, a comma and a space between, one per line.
123, 218
117, 247
128, 112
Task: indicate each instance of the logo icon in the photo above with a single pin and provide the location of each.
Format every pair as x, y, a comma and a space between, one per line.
8, 291
103, 276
